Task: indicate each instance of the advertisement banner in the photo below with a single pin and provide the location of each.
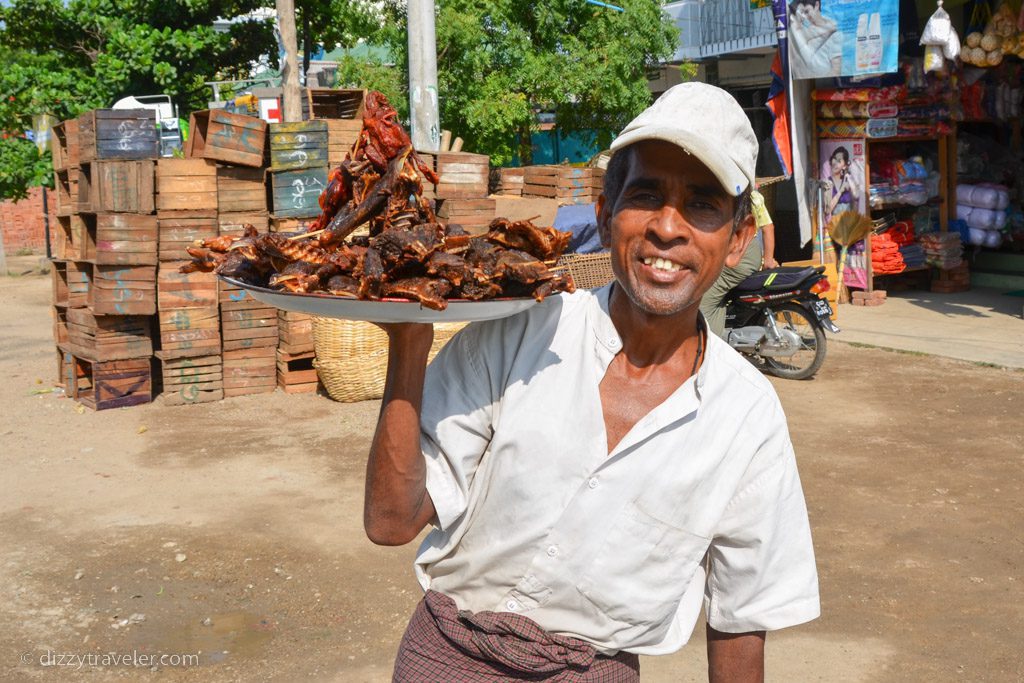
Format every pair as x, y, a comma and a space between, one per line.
842, 37
842, 173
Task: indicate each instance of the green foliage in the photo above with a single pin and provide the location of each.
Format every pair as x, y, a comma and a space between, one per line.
63, 58
22, 167
500, 62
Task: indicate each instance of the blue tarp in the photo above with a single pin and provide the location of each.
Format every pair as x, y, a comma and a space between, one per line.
581, 221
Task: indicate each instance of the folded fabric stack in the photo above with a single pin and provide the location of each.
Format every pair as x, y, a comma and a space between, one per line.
901, 181
983, 208
942, 249
885, 256
913, 255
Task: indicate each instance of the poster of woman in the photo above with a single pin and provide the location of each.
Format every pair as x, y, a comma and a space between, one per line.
842, 171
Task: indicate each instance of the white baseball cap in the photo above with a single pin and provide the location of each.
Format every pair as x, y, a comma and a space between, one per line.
708, 123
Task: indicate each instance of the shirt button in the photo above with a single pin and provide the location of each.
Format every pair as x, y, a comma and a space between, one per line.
512, 605
592, 483
613, 342
552, 551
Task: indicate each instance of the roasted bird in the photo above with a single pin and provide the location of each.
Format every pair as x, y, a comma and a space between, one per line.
408, 252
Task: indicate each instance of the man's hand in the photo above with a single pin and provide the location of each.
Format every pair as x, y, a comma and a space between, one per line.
735, 657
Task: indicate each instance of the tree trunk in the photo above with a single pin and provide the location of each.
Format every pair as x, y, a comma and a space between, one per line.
292, 110
525, 136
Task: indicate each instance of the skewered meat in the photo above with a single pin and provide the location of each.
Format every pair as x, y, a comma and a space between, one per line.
407, 252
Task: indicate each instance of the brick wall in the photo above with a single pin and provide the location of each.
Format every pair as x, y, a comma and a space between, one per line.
22, 222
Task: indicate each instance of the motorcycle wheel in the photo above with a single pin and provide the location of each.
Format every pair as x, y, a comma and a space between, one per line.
808, 359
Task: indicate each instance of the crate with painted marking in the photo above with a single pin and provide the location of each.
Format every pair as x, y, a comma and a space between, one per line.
122, 290
296, 194
186, 185
296, 373
295, 332
234, 223
229, 138
191, 379
118, 134
250, 371
244, 327
241, 190
298, 145
108, 337
185, 290
189, 331
64, 147
120, 239
116, 187
78, 278
179, 230
102, 385
65, 191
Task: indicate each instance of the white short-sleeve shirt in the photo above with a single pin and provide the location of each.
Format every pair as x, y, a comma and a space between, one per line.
700, 502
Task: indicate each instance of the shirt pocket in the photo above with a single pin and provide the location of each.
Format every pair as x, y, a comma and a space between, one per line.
642, 568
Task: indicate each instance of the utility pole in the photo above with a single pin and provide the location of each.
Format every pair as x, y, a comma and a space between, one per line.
423, 106
292, 107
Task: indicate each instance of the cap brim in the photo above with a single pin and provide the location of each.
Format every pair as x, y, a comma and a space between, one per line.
720, 164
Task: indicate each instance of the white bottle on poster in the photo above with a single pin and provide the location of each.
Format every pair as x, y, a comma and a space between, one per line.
862, 43
875, 43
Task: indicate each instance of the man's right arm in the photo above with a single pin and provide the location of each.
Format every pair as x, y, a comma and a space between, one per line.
397, 505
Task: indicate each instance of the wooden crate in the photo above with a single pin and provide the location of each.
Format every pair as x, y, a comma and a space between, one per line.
123, 290
250, 371
295, 373
102, 385
186, 185
298, 145
246, 327
296, 194
290, 224
116, 187
65, 189
60, 238
510, 181
567, 184
334, 103
126, 239
79, 283
180, 229
429, 189
230, 138
64, 145
234, 223
462, 175
60, 325
76, 238
474, 215
185, 290
59, 282
189, 332
295, 333
118, 134
108, 337
341, 136
193, 379
241, 190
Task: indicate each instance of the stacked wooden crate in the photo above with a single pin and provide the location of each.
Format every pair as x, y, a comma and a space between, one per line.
105, 286
190, 343
298, 168
462, 190
241, 199
249, 330
567, 184
295, 352
510, 181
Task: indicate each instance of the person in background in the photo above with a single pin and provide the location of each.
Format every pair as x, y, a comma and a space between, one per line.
760, 254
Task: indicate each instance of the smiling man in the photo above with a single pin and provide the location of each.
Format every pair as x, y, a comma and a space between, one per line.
598, 467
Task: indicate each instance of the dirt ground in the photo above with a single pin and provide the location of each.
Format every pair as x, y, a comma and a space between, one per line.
233, 530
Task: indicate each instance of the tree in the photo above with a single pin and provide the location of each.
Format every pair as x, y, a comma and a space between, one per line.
64, 58
501, 62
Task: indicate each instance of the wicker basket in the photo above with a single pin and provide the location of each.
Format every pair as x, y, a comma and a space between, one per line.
589, 271
352, 356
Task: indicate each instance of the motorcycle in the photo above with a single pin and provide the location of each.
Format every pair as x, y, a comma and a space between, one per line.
778, 318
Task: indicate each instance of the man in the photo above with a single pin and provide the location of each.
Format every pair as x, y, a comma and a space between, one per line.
598, 466
759, 253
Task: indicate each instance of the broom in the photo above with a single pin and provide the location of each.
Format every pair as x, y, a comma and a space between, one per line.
847, 229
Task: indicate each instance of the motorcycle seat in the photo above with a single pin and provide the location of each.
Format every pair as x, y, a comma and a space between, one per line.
776, 279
